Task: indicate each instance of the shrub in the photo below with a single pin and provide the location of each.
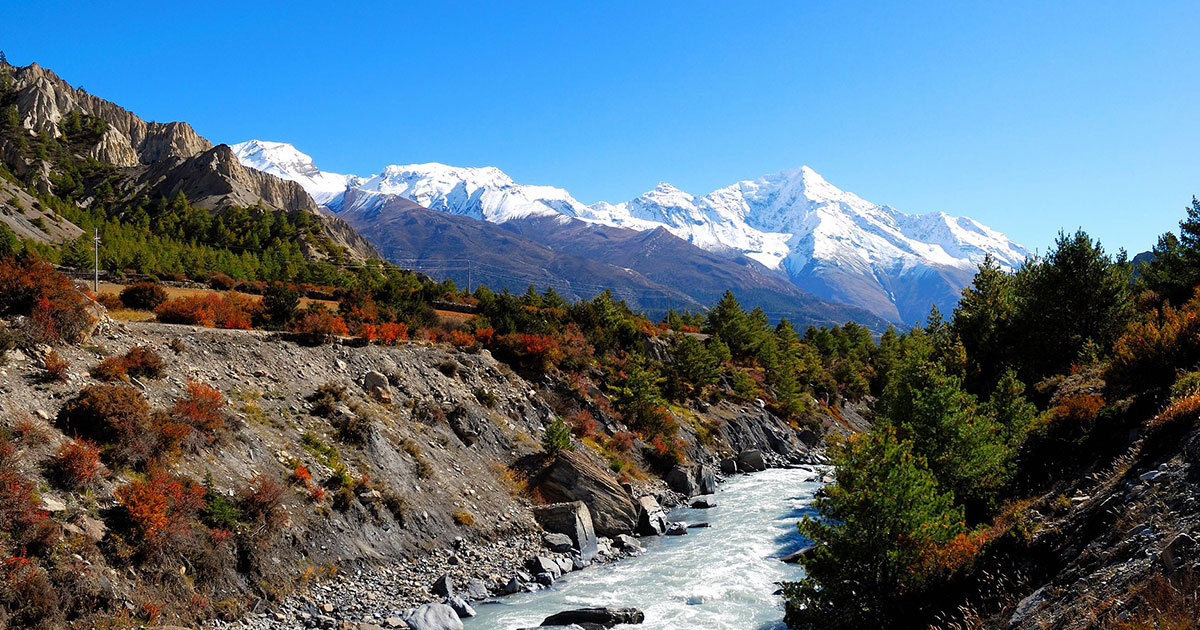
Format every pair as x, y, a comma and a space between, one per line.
161, 510
464, 518
77, 464
319, 327
212, 310
143, 296
325, 400
177, 345
218, 511
57, 310
621, 441
262, 502
27, 595
556, 438
143, 362
112, 414
111, 369
583, 424
56, 367
202, 408
449, 367
485, 397
221, 282
110, 301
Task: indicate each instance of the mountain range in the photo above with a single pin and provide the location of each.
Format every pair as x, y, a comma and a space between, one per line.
791, 229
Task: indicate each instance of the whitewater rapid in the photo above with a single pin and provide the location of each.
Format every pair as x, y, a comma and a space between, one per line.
718, 578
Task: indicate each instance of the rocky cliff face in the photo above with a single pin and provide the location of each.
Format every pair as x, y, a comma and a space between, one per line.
156, 159
44, 99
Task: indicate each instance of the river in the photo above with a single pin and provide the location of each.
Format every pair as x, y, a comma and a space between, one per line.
717, 578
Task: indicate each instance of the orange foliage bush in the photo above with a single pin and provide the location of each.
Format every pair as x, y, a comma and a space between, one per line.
947, 558
228, 310
202, 408
1186, 409
1149, 352
319, 327
111, 369
162, 509
113, 414
262, 501
57, 310
583, 424
78, 464
56, 366
621, 441
389, 333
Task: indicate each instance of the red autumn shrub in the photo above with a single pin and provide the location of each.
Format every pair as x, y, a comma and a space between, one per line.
56, 367
319, 327
583, 424
485, 335
57, 310
78, 465
621, 441
388, 334
202, 408
117, 415
143, 362
301, 473
1150, 352
461, 338
111, 369
262, 501
161, 509
109, 301
143, 296
210, 309
221, 282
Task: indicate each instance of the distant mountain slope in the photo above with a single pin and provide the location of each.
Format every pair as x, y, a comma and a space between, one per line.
825, 240
657, 271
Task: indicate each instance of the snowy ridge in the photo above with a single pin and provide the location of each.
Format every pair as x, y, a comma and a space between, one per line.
793, 220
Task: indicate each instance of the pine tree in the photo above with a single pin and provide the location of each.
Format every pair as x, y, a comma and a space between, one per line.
557, 437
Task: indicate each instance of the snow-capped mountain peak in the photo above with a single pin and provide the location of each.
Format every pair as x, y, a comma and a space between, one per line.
827, 240
285, 161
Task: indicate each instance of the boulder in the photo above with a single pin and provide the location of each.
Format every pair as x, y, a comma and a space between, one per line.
377, 387
627, 543
574, 477
1176, 551
443, 587
651, 519
461, 607
477, 590
573, 520
513, 585
558, 543
606, 617
704, 502
677, 529
680, 480
706, 480
433, 616
729, 466
751, 460
543, 564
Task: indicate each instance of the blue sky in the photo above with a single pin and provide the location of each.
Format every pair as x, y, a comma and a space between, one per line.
1028, 116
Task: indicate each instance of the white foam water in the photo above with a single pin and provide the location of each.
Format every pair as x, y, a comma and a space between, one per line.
721, 577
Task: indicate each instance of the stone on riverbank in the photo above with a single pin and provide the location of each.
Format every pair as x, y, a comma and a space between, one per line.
704, 502
574, 477
433, 616
706, 480
651, 519
751, 460
680, 480
573, 520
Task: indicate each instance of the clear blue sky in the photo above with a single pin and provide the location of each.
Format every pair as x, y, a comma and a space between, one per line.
1029, 116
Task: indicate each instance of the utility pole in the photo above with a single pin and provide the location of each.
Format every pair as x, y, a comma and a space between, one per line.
468, 275
96, 269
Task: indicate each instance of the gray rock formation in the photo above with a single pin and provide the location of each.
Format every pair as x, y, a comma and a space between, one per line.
433, 616
574, 477
652, 521
751, 460
680, 480
606, 617
573, 520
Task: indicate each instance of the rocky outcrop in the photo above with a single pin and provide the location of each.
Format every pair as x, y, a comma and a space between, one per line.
573, 520
574, 477
706, 480
680, 480
43, 100
652, 521
751, 460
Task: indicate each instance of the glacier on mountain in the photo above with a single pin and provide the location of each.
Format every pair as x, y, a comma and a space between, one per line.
827, 240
